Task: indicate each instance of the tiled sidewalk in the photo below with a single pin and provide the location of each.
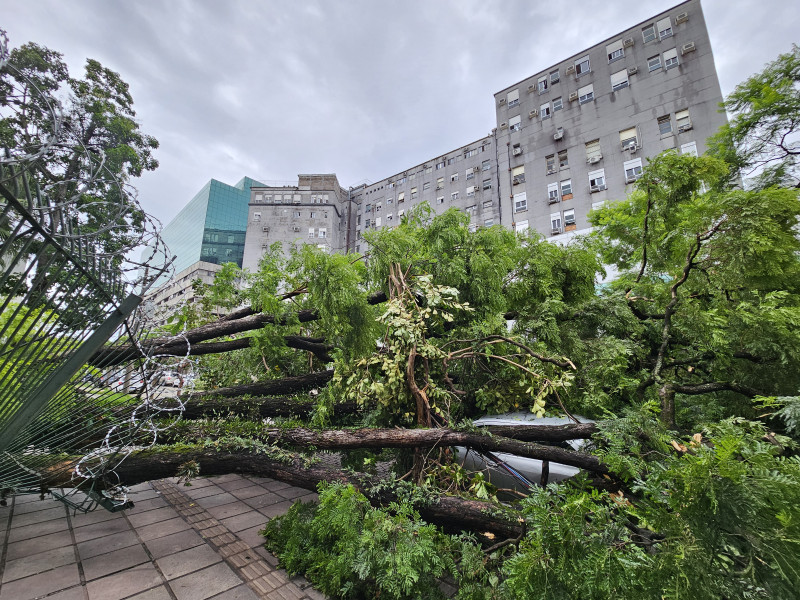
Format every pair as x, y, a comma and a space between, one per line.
177, 543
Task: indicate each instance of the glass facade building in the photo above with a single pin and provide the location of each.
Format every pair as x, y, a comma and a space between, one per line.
222, 209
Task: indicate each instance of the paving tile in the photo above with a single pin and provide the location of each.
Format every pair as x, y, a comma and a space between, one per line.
140, 487
250, 491
251, 537
203, 492
28, 498
159, 593
157, 530
99, 515
152, 516
77, 592
241, 592
35, 586
288, 592
268, 556
96, 530
276, 510
111, 562
269, 582
108, 543
188, 561
277, 485
124, 584
169, 544
235, 484
315, 594
266, 499
226, 477
245, 521
206, 583
229, 510
147, 504
35, 506
144, 495
37, 529
38, 563
38, 544
216, 500
40, 516
292, 492
260, 480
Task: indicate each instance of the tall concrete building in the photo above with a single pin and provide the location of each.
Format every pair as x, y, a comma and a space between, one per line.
573, 135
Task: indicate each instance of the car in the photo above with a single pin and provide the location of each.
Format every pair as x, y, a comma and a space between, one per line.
134, 383
509, 471
169, 378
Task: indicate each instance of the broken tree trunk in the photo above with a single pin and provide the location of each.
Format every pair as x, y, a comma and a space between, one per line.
276, 387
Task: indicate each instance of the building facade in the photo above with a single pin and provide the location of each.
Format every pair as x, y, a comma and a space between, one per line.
570, 137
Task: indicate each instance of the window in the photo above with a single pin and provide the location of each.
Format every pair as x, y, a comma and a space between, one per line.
582, 66
654, 63
389, 200
566, 190
471, 210
633, 170
689, 148
544, 111
550, 162
486, 165
558, 104
521, 226
487, 184
470, 173
453, 177
514, 123
440, 183
256, 217
324, 233
377, 208
312, 214
413, 193
615, 51
683, 121
450, 161
541, 84
470, 191
358, 220
569, 219
593, 154
388, 217
597, 180
664, 28
312, 233
598, 205
488, 222
401, 212
401, 181
473, 152
552, 192
518, 175
454, 196
520, 202
619, 80
440, 165
297, 214
368, 208
440, 200
555, 222
563, 159
586, 94
426, 186
649, 33
664, 125
367, 223
401, 197
671, 58
628, 139
513, 98
554, 77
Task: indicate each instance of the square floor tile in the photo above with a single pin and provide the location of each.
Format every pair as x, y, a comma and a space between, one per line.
35, 586
125, 583
206, 583
245, 521
111, 562
170, 544
38, 544
157, 530
38, 563
37, 529
109, 543
152, 516
188, 561
96, 530
229, 510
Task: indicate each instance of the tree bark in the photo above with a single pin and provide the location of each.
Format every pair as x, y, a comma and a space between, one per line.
277, 387
263, 407
449, 511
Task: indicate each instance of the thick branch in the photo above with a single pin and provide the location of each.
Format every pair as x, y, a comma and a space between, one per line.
277, 387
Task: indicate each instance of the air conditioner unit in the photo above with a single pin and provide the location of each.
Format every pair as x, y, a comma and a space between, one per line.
633, 70
532, 113
686, 48
503, 125
517, 151
570, 70
551, 171
556, 231
265, 229
518, 179
531, 88
296, 228
683, 128
559, 134
596, 188
627, 43
682, 18
632, 148
552, 200
502, 101
593, 160
630, 179
573, 96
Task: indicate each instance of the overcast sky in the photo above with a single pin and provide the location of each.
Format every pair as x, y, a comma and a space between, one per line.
361, 88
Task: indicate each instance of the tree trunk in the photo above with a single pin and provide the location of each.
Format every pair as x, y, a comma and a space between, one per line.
449, 511
283, 406
277, 387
